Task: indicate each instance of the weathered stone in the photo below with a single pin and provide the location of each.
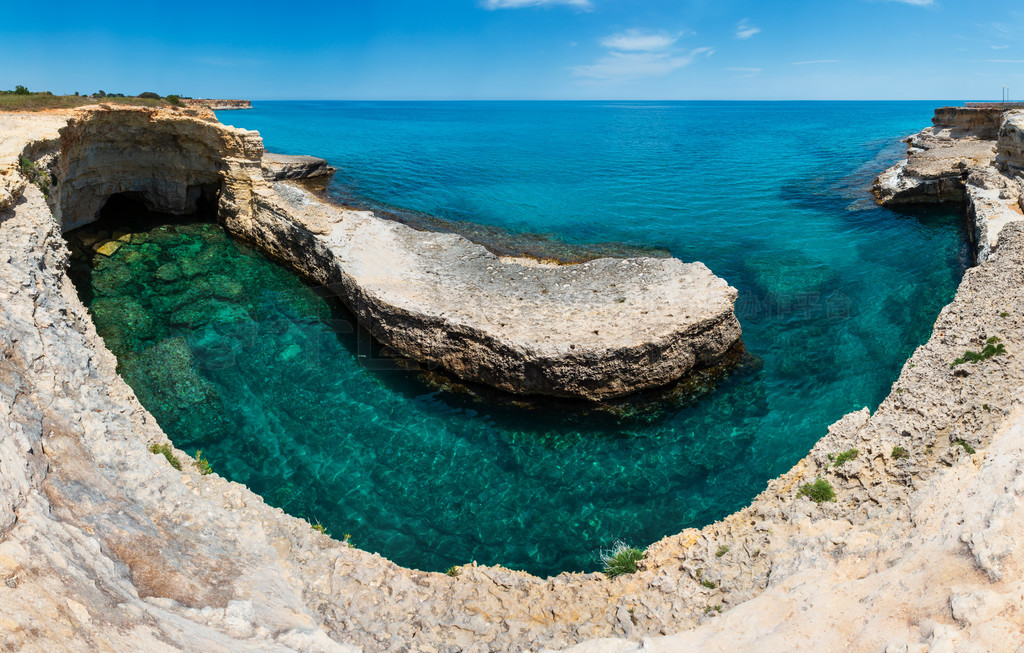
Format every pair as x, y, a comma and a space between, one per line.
278, 167
104, 546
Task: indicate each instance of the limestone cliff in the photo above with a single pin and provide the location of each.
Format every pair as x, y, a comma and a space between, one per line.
104, 546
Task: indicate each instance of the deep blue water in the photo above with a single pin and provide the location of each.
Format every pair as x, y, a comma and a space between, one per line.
834, 294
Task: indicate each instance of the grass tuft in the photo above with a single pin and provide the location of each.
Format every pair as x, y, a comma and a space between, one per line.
622, 559
845, 456
966, 445
722, 550
454, 571
202, 463
819, 491
167, 452
898, 453
992, 348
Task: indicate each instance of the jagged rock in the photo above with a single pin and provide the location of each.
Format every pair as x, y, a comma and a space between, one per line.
278, 167
103, 545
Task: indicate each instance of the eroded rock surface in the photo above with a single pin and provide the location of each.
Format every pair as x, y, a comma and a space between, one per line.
279, 167
104, 546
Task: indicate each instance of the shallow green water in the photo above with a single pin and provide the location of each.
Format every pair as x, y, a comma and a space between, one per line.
235, 356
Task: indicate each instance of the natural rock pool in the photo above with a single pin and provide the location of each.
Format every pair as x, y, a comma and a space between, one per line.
237, 357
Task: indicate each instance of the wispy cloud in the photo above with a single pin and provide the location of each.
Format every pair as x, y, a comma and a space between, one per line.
635, 39
1003, 61
999, 47
744, 30
916, 3
747, 72
638, 53
518, 4
814, 62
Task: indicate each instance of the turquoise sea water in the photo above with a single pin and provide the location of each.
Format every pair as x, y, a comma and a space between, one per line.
236, 357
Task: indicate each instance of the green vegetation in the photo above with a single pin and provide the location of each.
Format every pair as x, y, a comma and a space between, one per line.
992, 348
22, 99
202, 463
453, 571
320, 528
966, 446
844, 457
722, 550
819, 491
708, 583
36, 175
622, 559
1004, 314
167, 452
898, 453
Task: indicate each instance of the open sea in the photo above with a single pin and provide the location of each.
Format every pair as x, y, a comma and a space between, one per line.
237, 357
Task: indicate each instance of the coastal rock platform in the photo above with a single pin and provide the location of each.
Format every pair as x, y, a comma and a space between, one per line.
106, 547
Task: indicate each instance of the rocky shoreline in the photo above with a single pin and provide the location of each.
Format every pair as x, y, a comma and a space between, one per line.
104, 546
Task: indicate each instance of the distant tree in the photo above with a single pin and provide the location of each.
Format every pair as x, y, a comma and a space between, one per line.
174, 100
21, 90
149, 96
101, 94
76, 93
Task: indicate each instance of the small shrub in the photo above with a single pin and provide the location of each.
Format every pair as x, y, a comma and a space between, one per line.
992, 348
722, 550
898, 453
36, 175
320, 528
819, 491
149, 96
174, 100
167, 452
966, 446
202, 464
708, 583
622, 559
22, 90
454, 571
986, 408
846, 456
1004, 314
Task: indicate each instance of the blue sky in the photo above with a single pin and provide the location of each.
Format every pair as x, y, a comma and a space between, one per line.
521, 49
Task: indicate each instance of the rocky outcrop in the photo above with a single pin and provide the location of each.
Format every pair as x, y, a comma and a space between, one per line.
282, 167
603, 329
964, 158
104, 546
217, 105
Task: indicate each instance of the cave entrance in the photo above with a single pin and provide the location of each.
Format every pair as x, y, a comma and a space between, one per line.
131, 207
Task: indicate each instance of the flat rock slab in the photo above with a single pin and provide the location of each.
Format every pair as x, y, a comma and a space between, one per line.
596, 330
278, 167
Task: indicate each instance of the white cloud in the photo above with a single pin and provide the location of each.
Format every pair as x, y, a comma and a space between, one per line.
916, 3
632, 65
639, 40
811, 63
744, 30
517, 4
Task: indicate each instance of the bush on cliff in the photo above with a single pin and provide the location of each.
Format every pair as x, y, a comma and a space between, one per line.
149, 96
819, 491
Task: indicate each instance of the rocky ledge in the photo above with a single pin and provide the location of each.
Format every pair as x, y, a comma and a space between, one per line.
218, 105
281, 167
598, 330
972, 155
105, 546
